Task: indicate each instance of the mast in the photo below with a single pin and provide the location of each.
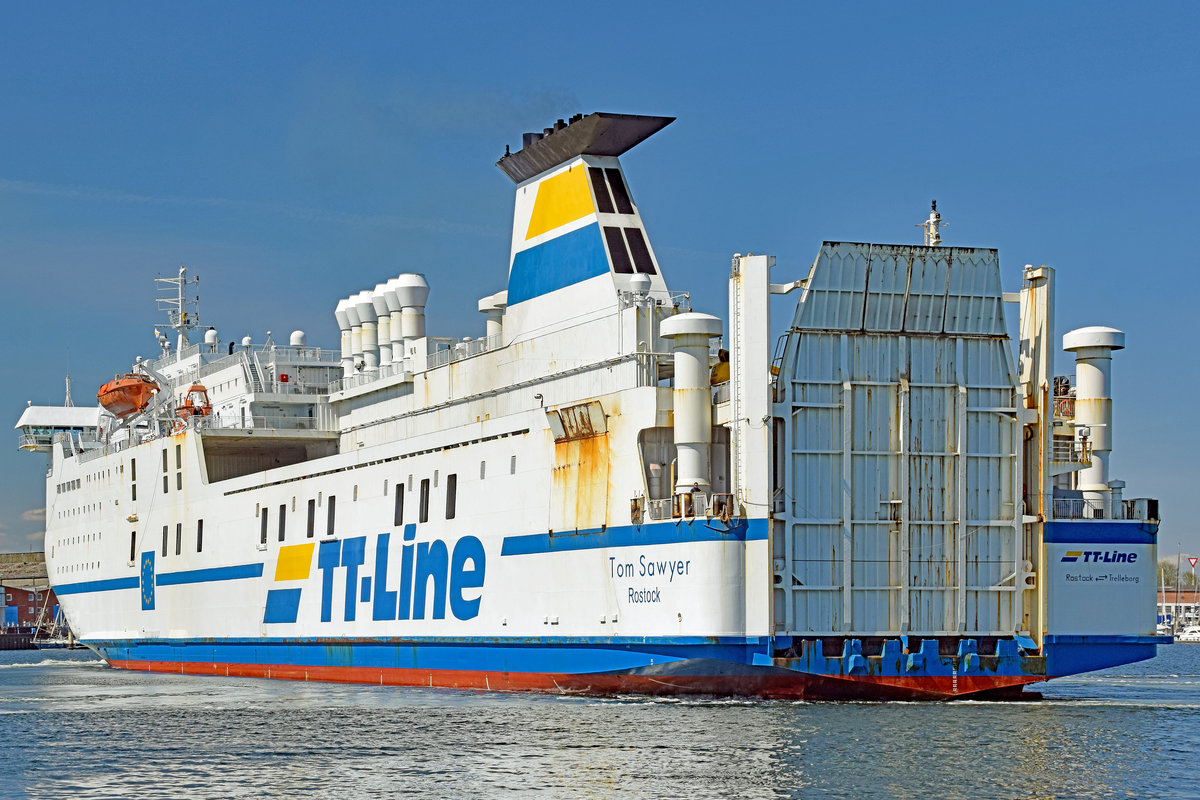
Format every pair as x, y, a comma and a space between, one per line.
172, 298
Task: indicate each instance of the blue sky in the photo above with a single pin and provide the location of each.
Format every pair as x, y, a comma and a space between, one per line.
292, 153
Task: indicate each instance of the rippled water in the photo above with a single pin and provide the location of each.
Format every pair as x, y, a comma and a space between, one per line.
72, 727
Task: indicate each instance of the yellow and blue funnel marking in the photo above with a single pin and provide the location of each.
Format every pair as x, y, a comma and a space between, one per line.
1072, 555
564, 259
294, 564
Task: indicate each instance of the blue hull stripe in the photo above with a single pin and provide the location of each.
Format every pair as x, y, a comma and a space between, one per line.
210, 574
595, 655
634, 536
109, 585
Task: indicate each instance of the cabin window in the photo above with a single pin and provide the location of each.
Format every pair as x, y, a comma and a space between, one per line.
178, 456
451, 494
435, 479
164, 542
641, 253
482, 470
282, 519
410, 483
164, 455
178, 538
133, 469
199, 535
329, 515
620, 194
354, 499
166, 483
262, 527
312, 517
132, 546
385, 487
398, 514
423, 515
512, 466
179, 481
617, 251
604, 203
133, 492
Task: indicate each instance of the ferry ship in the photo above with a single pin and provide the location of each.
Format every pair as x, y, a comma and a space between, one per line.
885, 497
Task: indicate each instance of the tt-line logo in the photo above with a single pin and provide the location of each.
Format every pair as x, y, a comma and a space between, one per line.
1100, 556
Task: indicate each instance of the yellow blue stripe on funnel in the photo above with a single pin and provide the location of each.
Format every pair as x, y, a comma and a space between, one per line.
561, 199
561, 260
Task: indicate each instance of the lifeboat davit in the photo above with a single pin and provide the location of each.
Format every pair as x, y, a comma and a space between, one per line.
127, 394
195, 404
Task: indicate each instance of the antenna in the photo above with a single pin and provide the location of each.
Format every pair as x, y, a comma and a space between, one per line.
932, 226
68, 402
173, 299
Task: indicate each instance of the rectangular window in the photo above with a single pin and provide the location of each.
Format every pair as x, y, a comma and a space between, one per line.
164, 545
312, 517
282, 519
262, 527
178, 456
624, 203
164, 452
398, 514
329, 515
179, 481
354, 499
604, 203
199, 535
641, 253
482, 470
617, 251
178, 538
166, 483
133, 493
451, 494
133, 469
132, 546
512, 466
423, 516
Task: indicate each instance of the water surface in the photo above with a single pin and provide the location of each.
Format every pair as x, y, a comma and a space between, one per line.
74, 728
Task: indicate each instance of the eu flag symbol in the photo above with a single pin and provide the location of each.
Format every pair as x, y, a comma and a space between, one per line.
148, 580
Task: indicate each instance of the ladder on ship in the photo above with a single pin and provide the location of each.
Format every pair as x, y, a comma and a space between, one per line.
252, 367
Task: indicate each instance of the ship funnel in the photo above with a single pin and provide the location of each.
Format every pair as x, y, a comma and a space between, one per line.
365, 307
693, 405
383, 323
1093, 348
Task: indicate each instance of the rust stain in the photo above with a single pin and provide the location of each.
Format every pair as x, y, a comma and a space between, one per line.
581, 483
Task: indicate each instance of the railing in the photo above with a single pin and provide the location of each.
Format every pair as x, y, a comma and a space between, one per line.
106, 450
1064, 396
363, 378
30, 441
278, 422
1142, 509
1071, 451
457, 351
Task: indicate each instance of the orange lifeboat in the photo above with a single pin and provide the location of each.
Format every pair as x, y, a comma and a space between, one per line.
195, 404
127, 394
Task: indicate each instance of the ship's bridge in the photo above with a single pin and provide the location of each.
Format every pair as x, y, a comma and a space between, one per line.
42, 426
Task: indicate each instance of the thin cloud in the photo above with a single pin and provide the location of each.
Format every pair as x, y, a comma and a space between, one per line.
36, 537
301, 213
34, 515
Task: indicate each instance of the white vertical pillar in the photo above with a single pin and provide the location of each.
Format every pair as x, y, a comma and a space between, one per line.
1093, 348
